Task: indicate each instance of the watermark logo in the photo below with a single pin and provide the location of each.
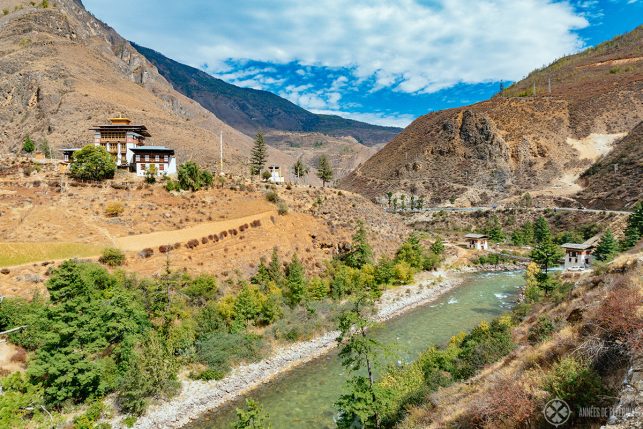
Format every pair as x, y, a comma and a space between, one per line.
557, 412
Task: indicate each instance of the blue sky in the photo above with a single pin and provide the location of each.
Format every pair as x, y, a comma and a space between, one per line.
380, 61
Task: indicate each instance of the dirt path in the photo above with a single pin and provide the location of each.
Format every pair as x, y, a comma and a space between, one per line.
156, 239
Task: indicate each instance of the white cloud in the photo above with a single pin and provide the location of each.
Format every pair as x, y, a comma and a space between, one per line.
385, 119
408, 45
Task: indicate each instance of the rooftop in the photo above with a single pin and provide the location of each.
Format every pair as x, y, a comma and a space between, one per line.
576, 246
475, 236
152, 149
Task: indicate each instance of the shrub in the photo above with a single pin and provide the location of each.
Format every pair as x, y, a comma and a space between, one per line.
28, 145
282, 208
92, 163
403, 273
151, 372
114, 209
112, 257
272, 196
541, 330
192, 177
207, 375
221, 350
505, 404
573, 381
618, 317
201, 289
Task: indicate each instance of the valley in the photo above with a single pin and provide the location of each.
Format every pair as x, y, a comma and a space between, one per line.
180, 252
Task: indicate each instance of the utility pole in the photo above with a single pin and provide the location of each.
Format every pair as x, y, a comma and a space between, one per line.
533, 92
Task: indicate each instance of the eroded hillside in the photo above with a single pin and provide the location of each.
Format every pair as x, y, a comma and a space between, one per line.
615, 180
519, 140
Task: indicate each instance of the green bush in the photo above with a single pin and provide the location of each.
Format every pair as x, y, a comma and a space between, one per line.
221, 350
574, 381
192, 177
112, 257
92, 163
201, 289
541, 330
28, 145
151, 372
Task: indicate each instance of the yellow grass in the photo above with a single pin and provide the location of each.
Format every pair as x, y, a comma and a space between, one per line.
22, 253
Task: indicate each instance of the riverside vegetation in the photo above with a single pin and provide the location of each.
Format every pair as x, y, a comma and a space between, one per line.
583, 378
103, 333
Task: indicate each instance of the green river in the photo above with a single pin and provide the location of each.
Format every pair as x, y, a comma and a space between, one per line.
304, 397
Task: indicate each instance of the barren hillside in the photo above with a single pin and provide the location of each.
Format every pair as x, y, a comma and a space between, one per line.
63, 71
518, 140
616, 180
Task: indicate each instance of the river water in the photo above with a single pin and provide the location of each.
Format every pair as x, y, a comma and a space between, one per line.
304, 397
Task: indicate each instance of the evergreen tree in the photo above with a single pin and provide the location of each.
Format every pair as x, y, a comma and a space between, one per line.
607, 247
541, 230
389, 196
528, 232
263, 276
494, 229
361, 252
324, 170
275, 268
546, 253
295, 282
438, 246
259, 155
634, 229
300, 169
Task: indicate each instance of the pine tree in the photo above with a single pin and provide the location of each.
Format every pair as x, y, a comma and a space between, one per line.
300, 169
275, 268
259, 155
389, 196
528, 232
361, 252
634, 229
494, 230
324, 170
546, 253
438, 246
607, 247
295, 282
541, 230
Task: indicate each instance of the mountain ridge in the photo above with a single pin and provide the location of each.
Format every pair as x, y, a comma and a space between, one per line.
252, 110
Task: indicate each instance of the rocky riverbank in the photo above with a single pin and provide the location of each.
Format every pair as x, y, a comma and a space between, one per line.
507, 266
198, 397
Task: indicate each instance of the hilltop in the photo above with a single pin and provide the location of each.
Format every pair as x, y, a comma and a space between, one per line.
519, 140
251, 110
63, 71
